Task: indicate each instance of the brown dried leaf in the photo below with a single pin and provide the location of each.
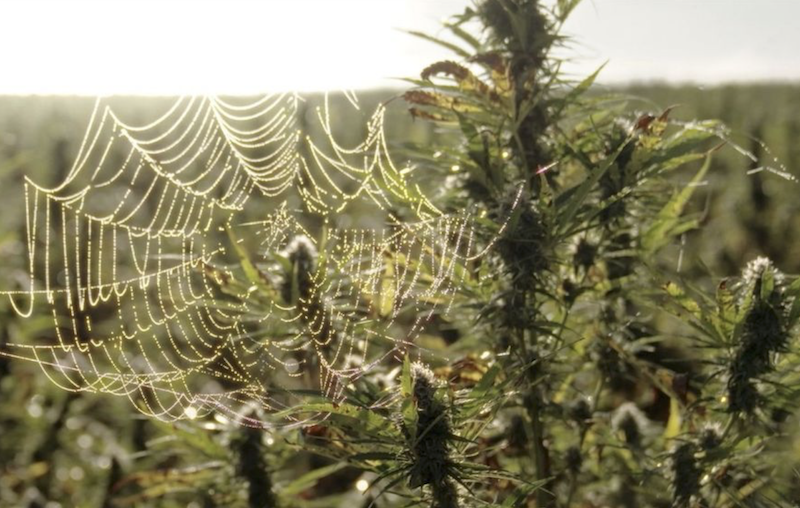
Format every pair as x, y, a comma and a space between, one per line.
448, 67
463, 76
424, 98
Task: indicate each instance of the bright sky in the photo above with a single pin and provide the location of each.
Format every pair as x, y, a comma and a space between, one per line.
703, 41
247, 46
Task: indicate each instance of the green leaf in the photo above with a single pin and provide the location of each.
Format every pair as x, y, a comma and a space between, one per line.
309, 479
767, 284
673, 428
680, 296
579, 195
726, 309
794, 291
408, 407
668, 221
452, 47
194, 438
579, 90
386, 297
406, 382
485, 384
565, 8
464, 36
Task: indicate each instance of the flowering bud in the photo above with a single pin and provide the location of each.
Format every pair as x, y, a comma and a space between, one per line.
710, 437
685, 474
764, 333
302, 254
631, 422
430, 450
573, 459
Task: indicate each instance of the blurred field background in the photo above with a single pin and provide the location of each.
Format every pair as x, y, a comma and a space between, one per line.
89, 450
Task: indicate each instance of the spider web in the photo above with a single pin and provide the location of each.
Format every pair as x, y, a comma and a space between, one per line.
142, 259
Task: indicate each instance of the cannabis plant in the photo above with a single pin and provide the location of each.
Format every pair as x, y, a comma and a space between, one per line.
511, 318
613, 404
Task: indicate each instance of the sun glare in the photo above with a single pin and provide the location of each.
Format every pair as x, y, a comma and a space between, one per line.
232, 47
212, 47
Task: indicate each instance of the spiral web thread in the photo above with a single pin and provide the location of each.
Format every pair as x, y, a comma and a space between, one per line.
127, 256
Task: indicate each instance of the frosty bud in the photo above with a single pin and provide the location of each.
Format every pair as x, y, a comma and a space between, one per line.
764, 333
430, 451
631, 423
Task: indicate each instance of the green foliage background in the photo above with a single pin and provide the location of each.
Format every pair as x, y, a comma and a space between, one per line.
59, 449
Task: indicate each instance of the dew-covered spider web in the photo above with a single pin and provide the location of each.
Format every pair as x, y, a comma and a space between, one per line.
197, 263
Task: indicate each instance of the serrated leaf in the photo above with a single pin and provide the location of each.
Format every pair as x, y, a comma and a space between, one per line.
726, 308
677, 293
579, 90
579, 195
667, 223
